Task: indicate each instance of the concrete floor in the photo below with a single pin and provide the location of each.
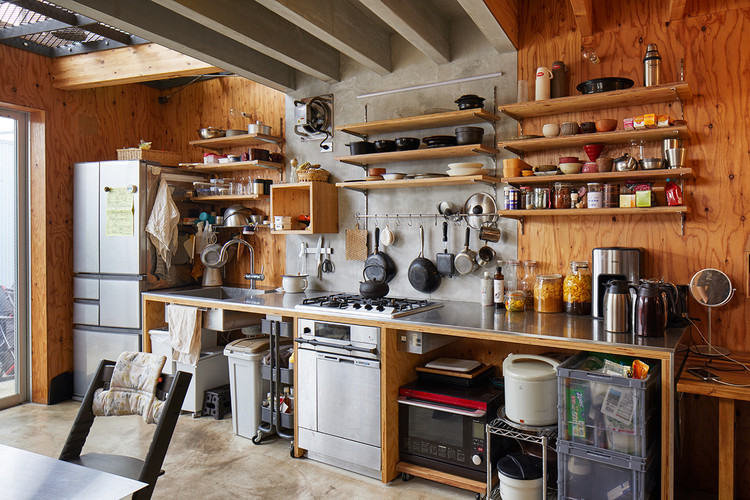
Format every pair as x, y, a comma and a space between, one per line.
206, 459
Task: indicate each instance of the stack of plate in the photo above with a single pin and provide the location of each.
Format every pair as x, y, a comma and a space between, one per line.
458, 169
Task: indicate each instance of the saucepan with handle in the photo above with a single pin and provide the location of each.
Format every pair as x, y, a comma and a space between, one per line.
466, 259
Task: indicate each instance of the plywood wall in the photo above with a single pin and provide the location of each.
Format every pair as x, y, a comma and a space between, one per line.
714, 42
210, 103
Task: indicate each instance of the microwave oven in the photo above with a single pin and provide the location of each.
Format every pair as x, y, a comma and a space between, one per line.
443, 428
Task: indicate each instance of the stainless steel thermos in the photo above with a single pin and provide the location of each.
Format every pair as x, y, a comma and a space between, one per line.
617, 307
651, 66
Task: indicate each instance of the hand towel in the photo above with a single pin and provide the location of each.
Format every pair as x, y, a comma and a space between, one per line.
185, 333
162, 223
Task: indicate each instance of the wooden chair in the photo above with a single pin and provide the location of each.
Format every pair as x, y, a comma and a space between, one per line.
171, 389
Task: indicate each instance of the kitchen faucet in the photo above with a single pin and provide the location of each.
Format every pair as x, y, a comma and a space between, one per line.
252, 276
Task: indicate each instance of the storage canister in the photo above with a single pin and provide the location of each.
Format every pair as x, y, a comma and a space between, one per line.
577, 289
530, 389
259, 186
562, 194
611, 196
527, 198
514, 301
548, 293
594, 195
541, 197
512, 196
521, 477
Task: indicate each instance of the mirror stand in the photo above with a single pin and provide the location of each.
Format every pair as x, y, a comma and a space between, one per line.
709, 349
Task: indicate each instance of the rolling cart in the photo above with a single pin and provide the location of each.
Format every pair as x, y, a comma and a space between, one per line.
273, 420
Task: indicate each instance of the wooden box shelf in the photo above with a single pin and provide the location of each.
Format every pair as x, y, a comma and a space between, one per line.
419, 154
588, 102
447, 119
319, 200
221, 143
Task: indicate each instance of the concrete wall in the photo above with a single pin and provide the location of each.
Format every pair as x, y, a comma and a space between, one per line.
472, 56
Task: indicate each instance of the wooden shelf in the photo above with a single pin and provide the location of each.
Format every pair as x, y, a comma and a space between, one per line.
319, 200
442, 477
637, 175
588, 102
578, 140
412, 183
234, 141
419, 154
451, 118
586, 212
231, 197
232, 166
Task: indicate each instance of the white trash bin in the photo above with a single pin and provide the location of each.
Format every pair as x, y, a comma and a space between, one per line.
246, 383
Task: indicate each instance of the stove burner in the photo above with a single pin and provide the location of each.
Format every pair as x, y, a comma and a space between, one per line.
386, 306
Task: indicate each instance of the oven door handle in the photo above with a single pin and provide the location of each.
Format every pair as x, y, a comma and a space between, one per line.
348, 347
448, 409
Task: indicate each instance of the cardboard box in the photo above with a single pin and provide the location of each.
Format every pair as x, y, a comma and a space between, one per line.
627, 201
643, 198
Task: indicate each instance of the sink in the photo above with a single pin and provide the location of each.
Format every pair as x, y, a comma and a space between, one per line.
224, 292
217, 318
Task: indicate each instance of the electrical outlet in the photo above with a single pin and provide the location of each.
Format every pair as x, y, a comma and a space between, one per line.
326, 146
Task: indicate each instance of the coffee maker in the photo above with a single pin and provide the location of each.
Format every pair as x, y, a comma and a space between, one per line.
608, 263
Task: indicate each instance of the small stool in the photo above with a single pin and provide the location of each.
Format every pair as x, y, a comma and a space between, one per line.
217, 402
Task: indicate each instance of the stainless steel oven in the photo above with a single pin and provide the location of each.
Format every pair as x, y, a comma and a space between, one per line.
338, 394
443, 428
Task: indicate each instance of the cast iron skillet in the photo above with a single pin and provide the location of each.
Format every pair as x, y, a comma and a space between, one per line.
383, 268
423, 274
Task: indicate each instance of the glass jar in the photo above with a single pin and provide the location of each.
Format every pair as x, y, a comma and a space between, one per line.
611, 197
512, 196
577, 289
514, 301
527, 283
594, 195
548, 293
562, 194
512, 281
541, 197
527, 197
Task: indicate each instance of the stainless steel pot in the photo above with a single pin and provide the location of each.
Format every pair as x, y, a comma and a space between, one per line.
237, 216
211, 133
651, 163
258, 128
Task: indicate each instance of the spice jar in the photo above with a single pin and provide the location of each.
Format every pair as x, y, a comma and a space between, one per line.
527, 283
526, 200
548, 293
541, 197
514, 301
512, 196
594, 195
577, 289
562, 194
611, 195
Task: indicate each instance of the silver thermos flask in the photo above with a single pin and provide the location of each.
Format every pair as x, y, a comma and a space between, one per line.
651, 66
617, 307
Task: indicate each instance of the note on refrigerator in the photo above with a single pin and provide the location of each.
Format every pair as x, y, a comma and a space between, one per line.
119, 212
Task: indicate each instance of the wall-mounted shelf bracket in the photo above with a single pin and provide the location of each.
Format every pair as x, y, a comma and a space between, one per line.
515, 151
356, 134
511, 115
488, 154
682, 223
355, 163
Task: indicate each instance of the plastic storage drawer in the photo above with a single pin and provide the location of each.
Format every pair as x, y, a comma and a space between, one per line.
586, 472
606, 411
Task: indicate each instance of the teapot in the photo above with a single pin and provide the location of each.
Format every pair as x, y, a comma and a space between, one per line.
649, 310
625, 163
373, 289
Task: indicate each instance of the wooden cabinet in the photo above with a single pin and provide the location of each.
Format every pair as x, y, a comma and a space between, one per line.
319, 200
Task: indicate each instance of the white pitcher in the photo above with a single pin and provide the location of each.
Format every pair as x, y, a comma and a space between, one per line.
543, 77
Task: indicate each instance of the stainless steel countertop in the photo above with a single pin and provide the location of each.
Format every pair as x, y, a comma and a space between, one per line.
465, 316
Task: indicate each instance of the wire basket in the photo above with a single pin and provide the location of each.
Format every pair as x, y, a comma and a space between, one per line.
158, 156
313, 175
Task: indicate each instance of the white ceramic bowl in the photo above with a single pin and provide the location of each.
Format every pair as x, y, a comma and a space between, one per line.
454, 166
466, 171
551, 130
393, 176
570, 168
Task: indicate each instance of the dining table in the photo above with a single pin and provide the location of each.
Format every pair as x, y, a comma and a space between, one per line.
25, 475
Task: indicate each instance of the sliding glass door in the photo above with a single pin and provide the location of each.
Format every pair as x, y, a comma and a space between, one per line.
14, 252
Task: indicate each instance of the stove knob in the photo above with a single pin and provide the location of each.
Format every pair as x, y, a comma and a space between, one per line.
368, 307
306, 330
381, 308
356, 306
476, 459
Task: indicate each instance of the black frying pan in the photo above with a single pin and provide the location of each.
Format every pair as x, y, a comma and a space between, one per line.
384, 269
423, 275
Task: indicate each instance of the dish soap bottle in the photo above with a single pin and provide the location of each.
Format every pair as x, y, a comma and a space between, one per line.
498, 288
486, 287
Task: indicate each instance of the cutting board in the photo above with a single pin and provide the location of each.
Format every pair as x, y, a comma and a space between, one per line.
356, 244
453, 364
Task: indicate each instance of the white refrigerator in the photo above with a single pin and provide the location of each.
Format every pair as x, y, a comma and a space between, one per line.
112, 262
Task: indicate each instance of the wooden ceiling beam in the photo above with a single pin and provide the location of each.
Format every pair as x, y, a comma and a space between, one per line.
496, 19
341, 25
676, 10
138, 63
583, 12
422, 27
160, 25
271, 35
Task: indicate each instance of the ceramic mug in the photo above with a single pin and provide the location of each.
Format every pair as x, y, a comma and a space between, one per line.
551, 129
294, 283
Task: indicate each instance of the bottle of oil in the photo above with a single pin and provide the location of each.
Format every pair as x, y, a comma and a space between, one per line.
498, 288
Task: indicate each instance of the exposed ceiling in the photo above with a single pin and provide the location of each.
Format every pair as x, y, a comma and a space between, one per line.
273, 41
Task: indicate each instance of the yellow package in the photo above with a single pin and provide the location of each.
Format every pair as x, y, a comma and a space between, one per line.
649, 120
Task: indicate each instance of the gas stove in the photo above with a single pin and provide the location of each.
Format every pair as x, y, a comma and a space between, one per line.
346, 304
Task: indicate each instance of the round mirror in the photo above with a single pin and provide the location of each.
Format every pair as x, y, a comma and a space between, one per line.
711, 287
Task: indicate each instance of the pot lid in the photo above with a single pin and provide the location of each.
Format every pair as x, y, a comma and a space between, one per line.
480, 209
520, 466
530, 369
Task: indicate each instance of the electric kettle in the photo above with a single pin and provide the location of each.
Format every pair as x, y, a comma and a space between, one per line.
616, 306
649, 310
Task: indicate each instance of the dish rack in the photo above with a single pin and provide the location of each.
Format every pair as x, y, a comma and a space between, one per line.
546, 436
